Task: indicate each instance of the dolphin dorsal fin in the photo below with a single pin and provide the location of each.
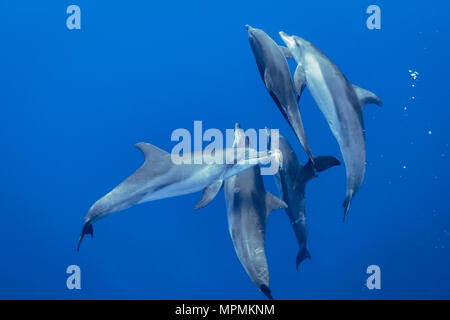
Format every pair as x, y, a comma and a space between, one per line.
366, 97
150, 151
274, 203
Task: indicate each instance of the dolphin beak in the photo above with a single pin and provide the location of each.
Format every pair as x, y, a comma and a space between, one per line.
287, 39
248, 27
283, 35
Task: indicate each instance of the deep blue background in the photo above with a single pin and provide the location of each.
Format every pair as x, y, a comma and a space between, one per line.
73, 104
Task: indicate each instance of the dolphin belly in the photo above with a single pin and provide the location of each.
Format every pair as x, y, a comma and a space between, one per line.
321, 93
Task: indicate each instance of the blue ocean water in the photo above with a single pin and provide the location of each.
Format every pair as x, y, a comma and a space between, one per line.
74, 103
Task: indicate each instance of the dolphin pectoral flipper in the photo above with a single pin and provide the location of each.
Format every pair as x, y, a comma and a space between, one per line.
271, 87
287, 53
274, 203
209, 193
299, 81
273, 94
366, 97
268, 81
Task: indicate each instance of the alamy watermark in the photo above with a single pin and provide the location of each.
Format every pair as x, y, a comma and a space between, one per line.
374, 280
74, 280
261, 147
374, 20
74, 20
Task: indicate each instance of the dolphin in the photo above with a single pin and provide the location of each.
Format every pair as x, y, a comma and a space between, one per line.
248, 205
274, 70
160, 177
291, 181
341, 103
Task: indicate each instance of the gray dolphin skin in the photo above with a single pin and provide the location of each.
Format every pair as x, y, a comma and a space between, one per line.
274, 69
159, 177
291, 181
341, 103
248, 205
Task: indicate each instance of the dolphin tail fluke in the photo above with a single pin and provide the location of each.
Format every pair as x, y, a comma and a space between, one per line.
308, 171
320, 164
87, 229
323, 163
267, 292
302, 255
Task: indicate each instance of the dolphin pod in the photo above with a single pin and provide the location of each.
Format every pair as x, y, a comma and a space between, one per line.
341, 103
248, 204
